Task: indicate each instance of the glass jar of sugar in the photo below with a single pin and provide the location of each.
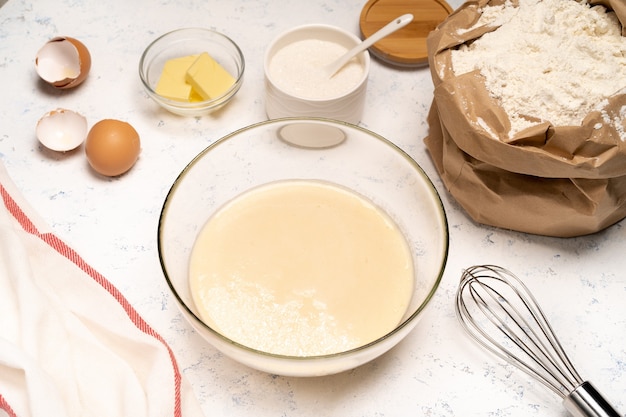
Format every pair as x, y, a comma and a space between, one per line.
297, 86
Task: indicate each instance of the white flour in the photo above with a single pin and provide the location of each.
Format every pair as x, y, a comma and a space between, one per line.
298, 69
555, 60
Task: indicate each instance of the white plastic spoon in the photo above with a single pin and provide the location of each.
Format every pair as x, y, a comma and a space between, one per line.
398, 23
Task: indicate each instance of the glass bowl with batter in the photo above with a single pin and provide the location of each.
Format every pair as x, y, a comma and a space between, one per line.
303, 246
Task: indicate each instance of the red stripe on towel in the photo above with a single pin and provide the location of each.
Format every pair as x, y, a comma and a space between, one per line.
63, 249
4, 405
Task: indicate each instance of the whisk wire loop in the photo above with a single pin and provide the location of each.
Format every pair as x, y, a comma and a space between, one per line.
500, 322
495, 306
530, 343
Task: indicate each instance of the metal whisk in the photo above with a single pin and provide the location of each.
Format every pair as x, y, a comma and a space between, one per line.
499, 312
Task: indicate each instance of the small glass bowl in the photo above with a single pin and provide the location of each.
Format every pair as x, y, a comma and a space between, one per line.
190, 41
312, 149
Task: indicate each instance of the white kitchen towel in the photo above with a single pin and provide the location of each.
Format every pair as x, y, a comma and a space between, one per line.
70, 343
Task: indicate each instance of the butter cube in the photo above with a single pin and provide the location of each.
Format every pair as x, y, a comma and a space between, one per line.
172, 82
194, 97
208, 78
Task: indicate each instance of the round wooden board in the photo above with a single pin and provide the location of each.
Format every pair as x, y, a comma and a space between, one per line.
407, 46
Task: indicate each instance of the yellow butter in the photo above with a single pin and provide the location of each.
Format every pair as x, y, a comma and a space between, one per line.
194, 97
172, 82
208, 78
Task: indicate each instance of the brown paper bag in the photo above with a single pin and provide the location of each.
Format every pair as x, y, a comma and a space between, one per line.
550, 180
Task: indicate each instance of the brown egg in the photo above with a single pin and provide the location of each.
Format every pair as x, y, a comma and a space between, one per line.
63, 62
112, 147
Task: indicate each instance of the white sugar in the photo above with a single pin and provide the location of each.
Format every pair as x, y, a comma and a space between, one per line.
298, 70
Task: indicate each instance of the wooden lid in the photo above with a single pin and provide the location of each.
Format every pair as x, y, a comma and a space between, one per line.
407, 46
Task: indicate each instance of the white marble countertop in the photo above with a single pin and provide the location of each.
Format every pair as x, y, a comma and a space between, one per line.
112, 223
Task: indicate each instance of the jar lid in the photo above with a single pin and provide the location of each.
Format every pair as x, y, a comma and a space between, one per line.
407, 46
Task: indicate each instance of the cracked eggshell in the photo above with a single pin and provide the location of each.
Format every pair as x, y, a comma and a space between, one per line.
63, 62
61, 130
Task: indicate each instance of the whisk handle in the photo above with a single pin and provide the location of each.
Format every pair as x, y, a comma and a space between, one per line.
586, 401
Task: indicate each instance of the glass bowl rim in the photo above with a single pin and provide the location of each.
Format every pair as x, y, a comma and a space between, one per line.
199, 104
335, 355
363, 80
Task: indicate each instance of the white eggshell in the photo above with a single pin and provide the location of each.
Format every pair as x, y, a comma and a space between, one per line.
63, 62
61, 130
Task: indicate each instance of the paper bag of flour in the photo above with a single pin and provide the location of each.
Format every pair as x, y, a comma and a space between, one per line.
543, 178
